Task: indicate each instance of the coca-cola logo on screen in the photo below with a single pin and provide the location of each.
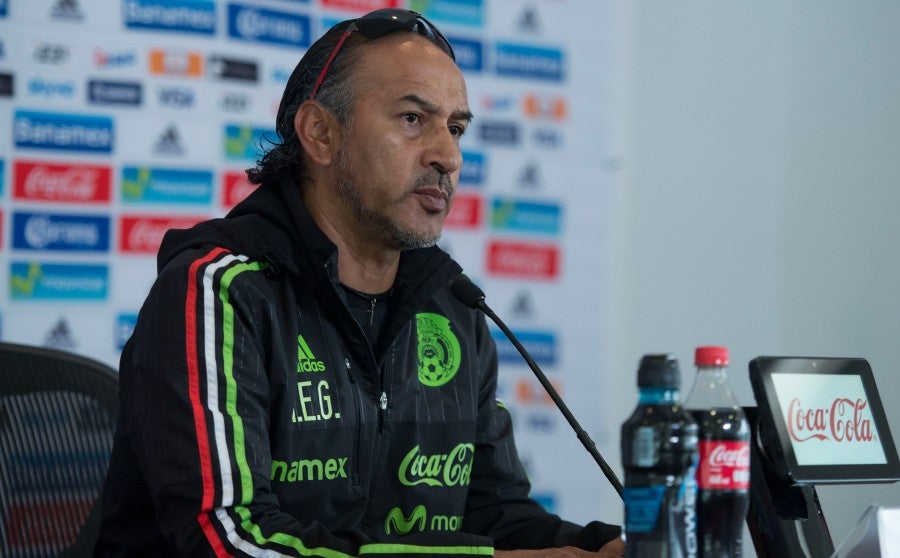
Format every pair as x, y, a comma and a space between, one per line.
843, 421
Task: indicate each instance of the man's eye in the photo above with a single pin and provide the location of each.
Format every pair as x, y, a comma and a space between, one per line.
457, 131
411, 118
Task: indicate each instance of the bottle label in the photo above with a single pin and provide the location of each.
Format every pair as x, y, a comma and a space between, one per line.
642, 504
643, 447
724, 465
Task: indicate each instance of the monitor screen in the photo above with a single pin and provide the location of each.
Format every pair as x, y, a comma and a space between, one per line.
824, 419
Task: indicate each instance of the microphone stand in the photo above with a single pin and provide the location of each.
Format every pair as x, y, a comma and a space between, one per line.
475, 299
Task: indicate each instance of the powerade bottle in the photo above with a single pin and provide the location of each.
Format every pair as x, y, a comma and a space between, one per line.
723, 473
659, 456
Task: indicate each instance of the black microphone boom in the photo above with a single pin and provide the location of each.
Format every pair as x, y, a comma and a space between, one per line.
469, 294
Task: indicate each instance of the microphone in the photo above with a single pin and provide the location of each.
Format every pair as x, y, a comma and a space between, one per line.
469, 294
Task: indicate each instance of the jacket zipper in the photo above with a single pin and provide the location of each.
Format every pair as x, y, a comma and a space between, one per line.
382, 407
382, 399
355, 470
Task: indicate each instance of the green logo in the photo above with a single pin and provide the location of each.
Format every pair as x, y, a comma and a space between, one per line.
440, 469
403, 525
309, 470
306, 360
438, 354
418, 520
23, 286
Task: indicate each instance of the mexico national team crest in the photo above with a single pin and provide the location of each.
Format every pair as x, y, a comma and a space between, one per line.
438, 350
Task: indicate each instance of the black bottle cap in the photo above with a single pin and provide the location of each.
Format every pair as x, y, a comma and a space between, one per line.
659, 370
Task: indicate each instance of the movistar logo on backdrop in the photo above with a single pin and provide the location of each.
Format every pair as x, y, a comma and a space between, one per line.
155, 185
462, 12
529, 62
440, 469
523, 216
186, 16
268, 26
72, 132
438, 349
306, 360
245, 142
53, 281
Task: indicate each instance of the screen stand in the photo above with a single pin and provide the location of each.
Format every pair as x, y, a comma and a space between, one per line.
785, 519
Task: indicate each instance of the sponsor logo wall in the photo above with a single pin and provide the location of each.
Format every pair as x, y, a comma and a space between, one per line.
120, 120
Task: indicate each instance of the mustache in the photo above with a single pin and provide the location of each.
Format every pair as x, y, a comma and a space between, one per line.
435, 178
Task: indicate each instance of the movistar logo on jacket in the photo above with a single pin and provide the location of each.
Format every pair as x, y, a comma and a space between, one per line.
440, 469
401, 524
306, 360
398, 523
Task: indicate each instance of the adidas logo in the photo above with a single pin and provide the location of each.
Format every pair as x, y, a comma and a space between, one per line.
306, 360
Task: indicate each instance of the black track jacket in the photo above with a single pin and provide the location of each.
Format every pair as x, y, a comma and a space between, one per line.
257, 420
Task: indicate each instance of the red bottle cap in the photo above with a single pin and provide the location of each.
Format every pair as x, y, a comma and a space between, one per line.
711, 356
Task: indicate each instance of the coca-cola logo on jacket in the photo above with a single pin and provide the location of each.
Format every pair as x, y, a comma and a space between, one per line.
842, 421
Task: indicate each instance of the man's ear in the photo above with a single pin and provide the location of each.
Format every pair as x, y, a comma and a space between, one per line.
318, 131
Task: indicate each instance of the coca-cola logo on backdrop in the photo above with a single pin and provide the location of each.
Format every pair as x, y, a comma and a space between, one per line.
143, 234
72, 183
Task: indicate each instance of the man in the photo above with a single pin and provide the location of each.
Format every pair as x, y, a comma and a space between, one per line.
300, 381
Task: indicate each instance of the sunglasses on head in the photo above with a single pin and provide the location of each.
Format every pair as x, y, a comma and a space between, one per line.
378, 24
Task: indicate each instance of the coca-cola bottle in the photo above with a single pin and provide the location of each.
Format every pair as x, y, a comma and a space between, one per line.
659, 456
723, 472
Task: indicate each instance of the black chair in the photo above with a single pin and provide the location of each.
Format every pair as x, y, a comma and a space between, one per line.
58, 413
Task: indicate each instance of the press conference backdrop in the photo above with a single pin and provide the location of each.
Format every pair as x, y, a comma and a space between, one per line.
122, 119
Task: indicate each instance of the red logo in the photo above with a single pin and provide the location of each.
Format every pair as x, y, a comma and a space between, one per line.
143, 234
466, 212
520, 259
362, 6
842, 422
235, 187
724, 465
61, 183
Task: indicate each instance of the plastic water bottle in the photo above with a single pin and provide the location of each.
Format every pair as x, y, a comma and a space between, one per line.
659, 456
